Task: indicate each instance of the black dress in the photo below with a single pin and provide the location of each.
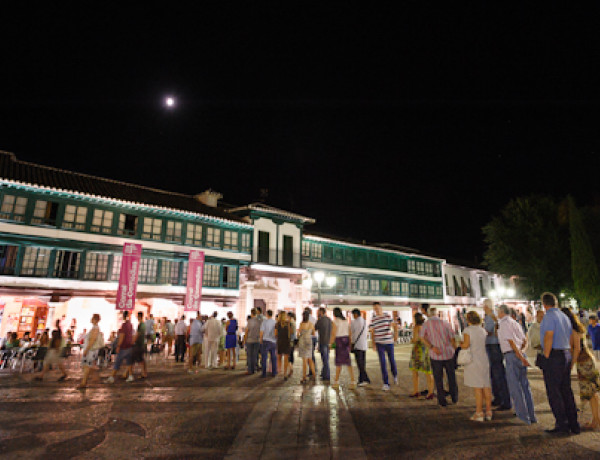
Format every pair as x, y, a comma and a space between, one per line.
283, 339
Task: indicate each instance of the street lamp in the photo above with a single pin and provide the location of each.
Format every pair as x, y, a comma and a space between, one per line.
318, 278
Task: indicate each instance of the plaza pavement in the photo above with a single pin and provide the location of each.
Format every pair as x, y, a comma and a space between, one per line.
224, 414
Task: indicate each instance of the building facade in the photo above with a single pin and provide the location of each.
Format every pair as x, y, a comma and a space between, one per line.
62, 233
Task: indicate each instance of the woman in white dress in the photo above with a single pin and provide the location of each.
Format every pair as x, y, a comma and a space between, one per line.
477, 372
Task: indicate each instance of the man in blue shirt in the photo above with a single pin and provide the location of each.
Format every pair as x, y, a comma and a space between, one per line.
495, 357
594, 333
555, 334
269, 344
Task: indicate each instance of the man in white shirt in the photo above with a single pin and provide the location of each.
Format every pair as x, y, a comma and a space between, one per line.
180, 335
358, 332
213, 334
513, 344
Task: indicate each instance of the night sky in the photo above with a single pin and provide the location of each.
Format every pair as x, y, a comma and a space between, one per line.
412, 126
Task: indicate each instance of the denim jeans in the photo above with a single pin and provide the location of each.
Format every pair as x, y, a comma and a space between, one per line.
438, 366
498, 374
557, 377
269, 348
252, 352
382, 349
324, 350
361, 362
518, 386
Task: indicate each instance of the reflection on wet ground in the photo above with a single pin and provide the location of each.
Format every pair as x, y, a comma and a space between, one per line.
226, 414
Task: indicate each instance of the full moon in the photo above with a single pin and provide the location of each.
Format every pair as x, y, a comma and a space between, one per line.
170, 102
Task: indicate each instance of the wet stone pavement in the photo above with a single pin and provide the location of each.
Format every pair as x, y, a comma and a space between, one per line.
225, 414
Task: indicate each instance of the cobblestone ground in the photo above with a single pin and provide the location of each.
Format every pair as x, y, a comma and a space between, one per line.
225, 414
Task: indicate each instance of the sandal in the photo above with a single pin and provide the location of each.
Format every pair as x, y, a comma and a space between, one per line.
303, 380
488, 416
477, 417
414, 395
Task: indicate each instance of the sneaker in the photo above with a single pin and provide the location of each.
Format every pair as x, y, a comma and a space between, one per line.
386, 388
130, 379
396, 380
111, 379
363, 384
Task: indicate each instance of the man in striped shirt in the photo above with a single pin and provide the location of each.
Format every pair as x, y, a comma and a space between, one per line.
383, 342
439, 338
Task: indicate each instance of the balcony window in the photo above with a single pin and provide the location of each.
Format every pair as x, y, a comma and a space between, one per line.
45, 213
374, 286
420, 268
414, 290
96, 266
174, 231
75, 217
169, 272
395, 285
36, 261
363, 286
116, 267
431, 291
316, 251
405, 289
211, 275
194, 234
128, 224
422, 290
412, 266
148, 271
102, 221
245, 242
152, 229
13, 208
305, 249
229, 277
66, 264
213, 237
230, 240
8, 259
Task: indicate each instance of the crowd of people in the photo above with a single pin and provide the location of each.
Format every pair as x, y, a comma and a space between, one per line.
496, 352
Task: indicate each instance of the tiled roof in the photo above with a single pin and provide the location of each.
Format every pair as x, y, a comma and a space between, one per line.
45, 176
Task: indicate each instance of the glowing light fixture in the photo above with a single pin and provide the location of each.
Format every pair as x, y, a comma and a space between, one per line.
170, 101
331, 281
493, 294
319, 277
510, 292
307, 283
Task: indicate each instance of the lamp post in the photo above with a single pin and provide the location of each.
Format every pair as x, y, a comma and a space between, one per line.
319, 277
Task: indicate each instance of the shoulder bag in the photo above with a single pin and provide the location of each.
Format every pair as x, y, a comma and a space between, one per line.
464, 357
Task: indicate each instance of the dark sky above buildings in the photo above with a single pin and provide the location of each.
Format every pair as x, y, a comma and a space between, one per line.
413, 125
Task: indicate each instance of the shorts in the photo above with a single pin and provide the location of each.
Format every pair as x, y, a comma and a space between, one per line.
138, 354
52, 357
89, 359
169, 339
123, 355
149, 337
195, 349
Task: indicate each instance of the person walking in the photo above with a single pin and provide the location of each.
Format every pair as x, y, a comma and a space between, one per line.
340, 335
556, 364
358, 333
438, 336
323, 327
513, 344
123, 349
213, 334
315, 338
477, 372
498, 373
196, 338
149, 327
252, 341
283, 334
383, 342
587, 373
293, 340
231, 327
169, 334
268, 344
92, 344
139, 345
305, 333
594, 333
419, 359
53, 355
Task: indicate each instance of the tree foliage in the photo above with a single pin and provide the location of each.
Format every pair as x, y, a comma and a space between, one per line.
528, 239
586, 278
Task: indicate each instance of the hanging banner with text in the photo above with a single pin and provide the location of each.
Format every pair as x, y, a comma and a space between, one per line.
195, 274
128, 278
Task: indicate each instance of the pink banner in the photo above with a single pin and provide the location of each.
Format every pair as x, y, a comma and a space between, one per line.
195, 275
128, 278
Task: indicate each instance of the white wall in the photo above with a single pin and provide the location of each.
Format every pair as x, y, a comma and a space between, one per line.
266, 225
